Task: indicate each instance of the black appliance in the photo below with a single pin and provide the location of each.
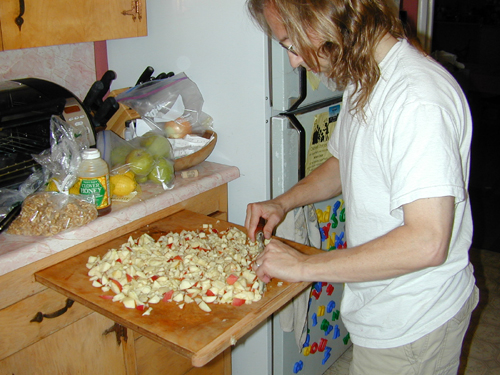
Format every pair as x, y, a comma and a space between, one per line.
26, 106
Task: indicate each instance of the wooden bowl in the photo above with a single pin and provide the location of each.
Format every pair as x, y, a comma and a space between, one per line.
196, 158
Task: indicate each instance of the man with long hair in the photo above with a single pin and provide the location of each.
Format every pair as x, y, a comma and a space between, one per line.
400, 157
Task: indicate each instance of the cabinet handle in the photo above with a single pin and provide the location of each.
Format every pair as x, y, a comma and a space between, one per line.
40, 315
19, 19
136, 11
120, 332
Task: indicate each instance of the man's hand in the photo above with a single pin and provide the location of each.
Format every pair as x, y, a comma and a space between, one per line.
281, 261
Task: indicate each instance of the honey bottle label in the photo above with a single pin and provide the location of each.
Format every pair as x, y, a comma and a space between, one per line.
98, 187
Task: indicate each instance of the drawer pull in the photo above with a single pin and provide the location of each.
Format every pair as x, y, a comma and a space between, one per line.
120, 332
19, 19
40, 315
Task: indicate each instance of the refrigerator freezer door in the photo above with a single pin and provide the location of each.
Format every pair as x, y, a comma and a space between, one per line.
285, 83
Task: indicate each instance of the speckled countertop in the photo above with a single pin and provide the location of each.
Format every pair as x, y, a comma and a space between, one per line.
18, 251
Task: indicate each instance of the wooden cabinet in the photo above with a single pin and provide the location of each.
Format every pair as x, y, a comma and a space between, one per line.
54, 22
81, 341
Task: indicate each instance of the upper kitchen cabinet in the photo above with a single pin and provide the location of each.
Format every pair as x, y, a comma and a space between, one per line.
37, 23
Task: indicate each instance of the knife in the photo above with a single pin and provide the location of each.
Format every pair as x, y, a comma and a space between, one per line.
91, 99
106, 80
105, 112
14, 212
259, 233
145, 76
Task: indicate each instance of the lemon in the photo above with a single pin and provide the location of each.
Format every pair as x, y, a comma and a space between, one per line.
122, 184
130, 174
123, 169
75, 189
51, 186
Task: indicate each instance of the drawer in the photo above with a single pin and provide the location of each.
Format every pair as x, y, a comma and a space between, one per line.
190, 332
79, 348
18, 331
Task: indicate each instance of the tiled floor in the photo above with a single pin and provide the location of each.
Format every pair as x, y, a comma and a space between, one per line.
481, 352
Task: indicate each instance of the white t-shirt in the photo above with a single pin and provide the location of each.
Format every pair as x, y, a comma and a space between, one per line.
414, 144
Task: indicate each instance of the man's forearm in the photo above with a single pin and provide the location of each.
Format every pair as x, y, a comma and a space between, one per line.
322, 183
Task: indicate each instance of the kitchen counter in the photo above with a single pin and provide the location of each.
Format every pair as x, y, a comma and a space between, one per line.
18, 251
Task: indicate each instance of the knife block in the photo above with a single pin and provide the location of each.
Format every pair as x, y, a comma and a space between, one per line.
117, 123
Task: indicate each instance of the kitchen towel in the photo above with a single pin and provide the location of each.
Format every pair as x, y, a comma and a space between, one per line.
301, 226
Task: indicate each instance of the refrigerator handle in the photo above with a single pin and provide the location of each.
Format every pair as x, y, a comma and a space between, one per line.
302, 89
302, 144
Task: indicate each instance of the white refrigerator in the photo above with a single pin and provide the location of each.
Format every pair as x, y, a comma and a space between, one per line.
237, 69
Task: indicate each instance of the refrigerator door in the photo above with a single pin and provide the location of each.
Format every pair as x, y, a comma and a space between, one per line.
327, 338
286, 141
298, 145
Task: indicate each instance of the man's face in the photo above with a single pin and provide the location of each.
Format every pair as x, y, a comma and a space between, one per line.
280, 33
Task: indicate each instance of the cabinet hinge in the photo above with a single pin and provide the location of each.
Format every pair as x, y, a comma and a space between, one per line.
135, 11
119, 330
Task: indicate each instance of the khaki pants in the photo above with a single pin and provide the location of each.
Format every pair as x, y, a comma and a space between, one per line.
437, 353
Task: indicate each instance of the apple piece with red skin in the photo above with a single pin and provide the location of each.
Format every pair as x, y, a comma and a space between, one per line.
238, 301
231, 279
168, 296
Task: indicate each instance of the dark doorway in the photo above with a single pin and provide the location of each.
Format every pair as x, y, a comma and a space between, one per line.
471, 31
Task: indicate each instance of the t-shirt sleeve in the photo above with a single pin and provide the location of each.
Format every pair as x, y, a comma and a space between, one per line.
421, 155
333, 142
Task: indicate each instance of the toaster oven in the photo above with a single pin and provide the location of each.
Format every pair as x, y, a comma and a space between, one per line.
26, 107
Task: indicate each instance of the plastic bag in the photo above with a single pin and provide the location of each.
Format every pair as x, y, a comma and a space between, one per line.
149, 157
172, 105
63, 158
10, 198
48, 213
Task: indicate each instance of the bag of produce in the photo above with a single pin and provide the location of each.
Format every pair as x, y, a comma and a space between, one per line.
172, 105
49, 213
145, 158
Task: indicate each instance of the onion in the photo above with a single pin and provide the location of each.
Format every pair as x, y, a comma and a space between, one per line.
178, 128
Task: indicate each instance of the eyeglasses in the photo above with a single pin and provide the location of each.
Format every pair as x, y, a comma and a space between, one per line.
289, 49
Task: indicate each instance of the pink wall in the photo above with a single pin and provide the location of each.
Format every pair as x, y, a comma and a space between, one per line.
411, 7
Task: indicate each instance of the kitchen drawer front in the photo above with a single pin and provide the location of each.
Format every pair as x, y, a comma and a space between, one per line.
80, 348
155, 359
16, 329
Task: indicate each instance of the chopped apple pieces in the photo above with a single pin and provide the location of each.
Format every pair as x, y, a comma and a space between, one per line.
205, 267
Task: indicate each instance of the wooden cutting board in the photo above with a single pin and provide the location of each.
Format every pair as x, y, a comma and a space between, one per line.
190, 331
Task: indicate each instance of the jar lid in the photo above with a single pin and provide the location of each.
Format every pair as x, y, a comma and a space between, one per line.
91, 153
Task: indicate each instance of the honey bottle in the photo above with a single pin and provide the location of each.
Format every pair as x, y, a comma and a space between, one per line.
93, 179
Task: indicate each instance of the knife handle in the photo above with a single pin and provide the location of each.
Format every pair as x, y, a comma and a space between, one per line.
105, 112
4, 224
91, 99
146, 75
107, 79
260, 225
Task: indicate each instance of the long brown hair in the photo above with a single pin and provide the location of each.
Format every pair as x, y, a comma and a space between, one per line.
348, 32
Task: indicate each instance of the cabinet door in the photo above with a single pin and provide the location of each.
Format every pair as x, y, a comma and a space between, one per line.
53, 22
80, 348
